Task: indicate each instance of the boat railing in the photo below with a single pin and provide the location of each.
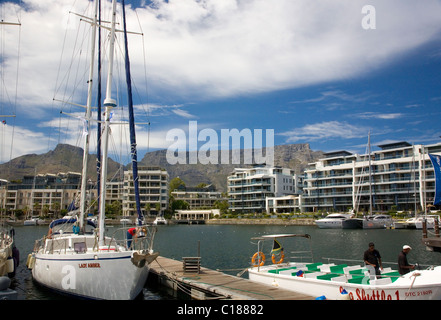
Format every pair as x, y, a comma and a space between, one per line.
393, 264
143, 241
302, 256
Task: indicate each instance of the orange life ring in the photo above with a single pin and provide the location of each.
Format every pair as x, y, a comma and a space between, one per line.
261, 261
273, 258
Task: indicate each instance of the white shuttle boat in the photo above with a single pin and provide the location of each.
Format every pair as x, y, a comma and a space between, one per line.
341, 281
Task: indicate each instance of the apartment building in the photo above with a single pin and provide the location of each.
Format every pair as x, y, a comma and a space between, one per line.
153, 190
57, 191
398, 175
248, 188
284, 204
197, 198
37, 193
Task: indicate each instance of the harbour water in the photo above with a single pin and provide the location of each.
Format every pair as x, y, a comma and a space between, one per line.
229, 248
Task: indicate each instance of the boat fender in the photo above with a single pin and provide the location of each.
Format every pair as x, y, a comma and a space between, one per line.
10, 265
30, 261
5, 282
282, 257
261, 259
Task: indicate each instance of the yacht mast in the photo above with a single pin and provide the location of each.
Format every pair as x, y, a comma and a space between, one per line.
87, 124
133, 151
370, 174
109, 104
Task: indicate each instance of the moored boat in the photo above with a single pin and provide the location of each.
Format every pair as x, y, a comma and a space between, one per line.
352, 223
357, 282
160, 221
9, 255
78, 258
77, 265
33, 221
405, 224
378, 221
430, 221
333, 221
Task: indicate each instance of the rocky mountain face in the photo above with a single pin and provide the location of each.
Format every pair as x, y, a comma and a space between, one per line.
294, 156
66, 158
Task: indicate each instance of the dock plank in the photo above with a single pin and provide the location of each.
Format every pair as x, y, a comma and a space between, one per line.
222, 284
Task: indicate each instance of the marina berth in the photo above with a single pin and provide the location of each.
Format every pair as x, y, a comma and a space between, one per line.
342, 281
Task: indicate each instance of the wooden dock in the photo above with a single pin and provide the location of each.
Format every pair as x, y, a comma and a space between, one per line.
432, 243
210, 284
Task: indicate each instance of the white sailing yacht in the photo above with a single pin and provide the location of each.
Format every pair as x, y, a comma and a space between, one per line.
78, 259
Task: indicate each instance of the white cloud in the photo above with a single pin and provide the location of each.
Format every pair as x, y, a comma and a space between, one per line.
24, 141
326, 130
382, 116
256, 46
183, 113
211, 48
223, 48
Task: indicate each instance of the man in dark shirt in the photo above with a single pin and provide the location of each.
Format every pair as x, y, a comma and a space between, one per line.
373, 258
404, 266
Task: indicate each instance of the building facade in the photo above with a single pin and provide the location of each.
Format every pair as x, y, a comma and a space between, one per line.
248, 188
55, 192
43, 193
397, 176
153, 191
198, 198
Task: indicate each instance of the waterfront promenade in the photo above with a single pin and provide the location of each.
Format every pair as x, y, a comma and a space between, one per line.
271, 221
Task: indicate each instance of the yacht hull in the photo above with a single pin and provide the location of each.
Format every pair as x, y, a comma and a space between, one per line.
97, 275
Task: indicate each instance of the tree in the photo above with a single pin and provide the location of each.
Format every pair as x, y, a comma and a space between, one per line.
114, 209
222, 206
147, 208
179, 205
174, 184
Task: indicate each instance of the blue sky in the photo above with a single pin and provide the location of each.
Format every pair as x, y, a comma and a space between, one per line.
307, 70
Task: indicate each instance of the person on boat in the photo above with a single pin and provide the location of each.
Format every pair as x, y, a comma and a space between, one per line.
372, 258
404, 266
76, 228
131, 233
49, 233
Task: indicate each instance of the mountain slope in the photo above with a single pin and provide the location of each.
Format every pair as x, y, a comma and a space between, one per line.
66, 158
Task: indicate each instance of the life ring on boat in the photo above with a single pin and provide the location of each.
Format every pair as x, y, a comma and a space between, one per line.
282, 257
261, 259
